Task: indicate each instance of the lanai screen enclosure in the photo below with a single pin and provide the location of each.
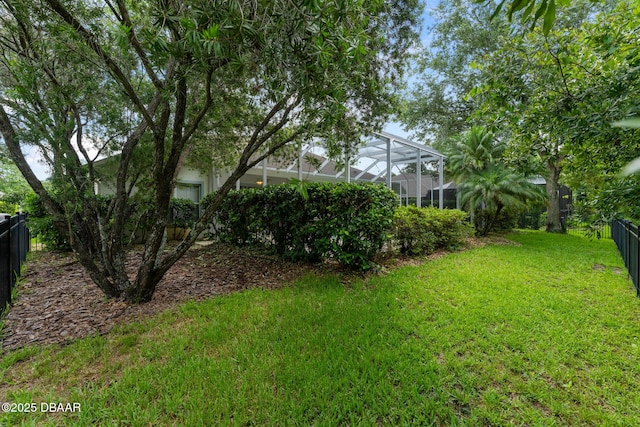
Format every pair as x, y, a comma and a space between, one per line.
382, 158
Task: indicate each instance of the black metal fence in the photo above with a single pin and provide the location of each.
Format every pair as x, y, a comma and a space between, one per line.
625, 234
14, 245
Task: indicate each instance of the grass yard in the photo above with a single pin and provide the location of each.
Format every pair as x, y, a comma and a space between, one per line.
542, 332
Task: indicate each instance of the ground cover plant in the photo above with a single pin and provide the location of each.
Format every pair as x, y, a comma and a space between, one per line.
540, 330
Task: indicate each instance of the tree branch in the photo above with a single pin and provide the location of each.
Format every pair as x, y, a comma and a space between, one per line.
133, 39
191, 128
559, 64
92, 41
9, 135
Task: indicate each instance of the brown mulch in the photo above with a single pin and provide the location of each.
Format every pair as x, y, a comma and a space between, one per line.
58, 302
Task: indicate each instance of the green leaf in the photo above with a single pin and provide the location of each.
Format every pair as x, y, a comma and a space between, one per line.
541, 10
516, 6
528, 11
549, 17
497, 11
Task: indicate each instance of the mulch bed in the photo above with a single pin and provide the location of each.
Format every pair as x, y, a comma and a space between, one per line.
58, 303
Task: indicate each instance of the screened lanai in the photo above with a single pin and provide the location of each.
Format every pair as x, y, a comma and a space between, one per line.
392, 154
383, 158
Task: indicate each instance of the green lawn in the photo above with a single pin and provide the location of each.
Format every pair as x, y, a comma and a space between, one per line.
526, 334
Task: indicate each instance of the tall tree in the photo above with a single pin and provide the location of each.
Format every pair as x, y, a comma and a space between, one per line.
608, 84
80, 78
559, 93
438, 106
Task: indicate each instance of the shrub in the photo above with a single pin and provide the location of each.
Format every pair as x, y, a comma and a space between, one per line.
505, 222
235, 220
531, 218
41, 224
350, 221
182, 213
347, 222
425, 230
8, 207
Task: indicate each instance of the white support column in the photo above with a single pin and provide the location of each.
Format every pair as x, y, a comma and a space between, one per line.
264, 172
300, 164
419, 178
389, 162
431, 181
441, 182
238, 184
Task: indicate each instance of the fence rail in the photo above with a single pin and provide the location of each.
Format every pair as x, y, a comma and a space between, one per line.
625, 234
14, 245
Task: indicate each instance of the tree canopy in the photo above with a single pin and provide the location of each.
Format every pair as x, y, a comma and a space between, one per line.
560, 93
550, 92
438, 106
152, 82
14, 189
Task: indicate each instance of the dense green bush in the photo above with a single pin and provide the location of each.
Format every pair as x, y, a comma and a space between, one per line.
41, 224
350, 221
425, 230
236, 220
505, 222
8, 207
182, 213
347, 222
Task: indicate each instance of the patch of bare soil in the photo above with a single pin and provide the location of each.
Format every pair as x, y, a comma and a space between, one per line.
477, 242
602, 267
58, 302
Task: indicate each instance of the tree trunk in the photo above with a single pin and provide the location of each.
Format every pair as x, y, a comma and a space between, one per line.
554, 225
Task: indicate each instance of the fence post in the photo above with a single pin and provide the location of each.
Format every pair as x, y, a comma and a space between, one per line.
25, 239
14, 240
5, 261
14, 245
634, 261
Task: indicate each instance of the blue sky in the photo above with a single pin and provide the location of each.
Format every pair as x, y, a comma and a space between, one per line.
427, 20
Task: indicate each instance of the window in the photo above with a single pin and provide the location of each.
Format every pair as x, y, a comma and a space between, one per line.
188, 191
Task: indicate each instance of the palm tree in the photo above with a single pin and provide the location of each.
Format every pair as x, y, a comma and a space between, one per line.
472, 151
487, 186
488, 192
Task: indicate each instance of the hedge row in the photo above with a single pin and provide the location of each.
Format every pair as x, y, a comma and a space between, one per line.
425, 230
348, 222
